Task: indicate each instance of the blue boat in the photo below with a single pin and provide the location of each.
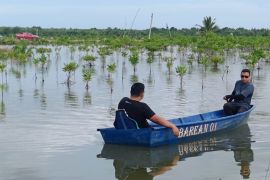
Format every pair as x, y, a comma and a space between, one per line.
190, 127
237, 139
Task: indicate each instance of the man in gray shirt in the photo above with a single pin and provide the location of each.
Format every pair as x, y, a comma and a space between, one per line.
239, 100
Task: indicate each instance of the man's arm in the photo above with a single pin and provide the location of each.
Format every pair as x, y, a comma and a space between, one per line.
161, 121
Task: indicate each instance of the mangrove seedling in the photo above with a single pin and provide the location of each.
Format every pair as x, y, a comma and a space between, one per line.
87, 76
181, 70
134, 60
111, 69
89, 59
69, 68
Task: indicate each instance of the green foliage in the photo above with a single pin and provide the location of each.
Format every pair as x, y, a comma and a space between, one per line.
150, 57
209, 25
43, 50
2, 67
89, 58
254, 57
134, 59
111, 68
87, 74
204, 61
70, 67
169, 62
83, 48
104, 51
181, 70
216, 59
43, 59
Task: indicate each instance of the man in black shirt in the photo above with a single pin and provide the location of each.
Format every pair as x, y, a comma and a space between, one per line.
240, 99
140, 111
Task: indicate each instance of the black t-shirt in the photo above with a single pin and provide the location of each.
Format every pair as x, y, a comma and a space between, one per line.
136, 110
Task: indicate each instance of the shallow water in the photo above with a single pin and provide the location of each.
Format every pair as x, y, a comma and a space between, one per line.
49, 131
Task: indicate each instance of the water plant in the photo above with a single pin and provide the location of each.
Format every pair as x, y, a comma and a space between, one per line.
69, 68
134, 59
181, 70
87, 76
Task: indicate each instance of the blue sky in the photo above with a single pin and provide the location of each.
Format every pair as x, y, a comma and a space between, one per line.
120, 13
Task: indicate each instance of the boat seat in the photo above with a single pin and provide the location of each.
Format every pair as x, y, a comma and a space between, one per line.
122, 121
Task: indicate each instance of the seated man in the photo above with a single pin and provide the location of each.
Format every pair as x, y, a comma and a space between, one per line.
140, 111
239, 100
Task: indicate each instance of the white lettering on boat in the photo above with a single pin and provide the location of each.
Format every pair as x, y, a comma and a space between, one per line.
196, 130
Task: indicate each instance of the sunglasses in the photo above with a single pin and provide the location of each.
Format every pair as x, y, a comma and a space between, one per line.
242, 76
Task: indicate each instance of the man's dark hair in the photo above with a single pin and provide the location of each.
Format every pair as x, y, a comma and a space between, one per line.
137, 89
245, 70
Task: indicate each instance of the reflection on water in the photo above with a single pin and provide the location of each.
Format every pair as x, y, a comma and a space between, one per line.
145, 163
71, 98
87, 99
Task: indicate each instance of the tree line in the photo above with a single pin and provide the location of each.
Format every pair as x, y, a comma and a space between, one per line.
117, 32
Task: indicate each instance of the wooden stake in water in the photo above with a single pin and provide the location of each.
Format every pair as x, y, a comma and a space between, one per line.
149, 36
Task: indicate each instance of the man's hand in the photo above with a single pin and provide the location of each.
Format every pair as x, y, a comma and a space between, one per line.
227, 97
164, 122
175, 131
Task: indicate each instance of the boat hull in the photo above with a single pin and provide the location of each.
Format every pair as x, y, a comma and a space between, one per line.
190, 128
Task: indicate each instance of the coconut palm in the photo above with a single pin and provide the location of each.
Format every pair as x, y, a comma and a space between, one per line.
208, 25
69, 68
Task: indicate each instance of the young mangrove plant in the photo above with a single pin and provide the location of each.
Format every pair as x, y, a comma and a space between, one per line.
43, 61
2, 68
69, 68
169, 63
254, 58
181, 70
134, 59
72, 50
87, 77
216, 59
150, 59
111, 69
89, 59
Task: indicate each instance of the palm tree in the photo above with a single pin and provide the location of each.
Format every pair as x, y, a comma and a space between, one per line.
87, 76
208, 25
69, 68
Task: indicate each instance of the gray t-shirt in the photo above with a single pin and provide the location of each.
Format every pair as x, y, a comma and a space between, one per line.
245, 89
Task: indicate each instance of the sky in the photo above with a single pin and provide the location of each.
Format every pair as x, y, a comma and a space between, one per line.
121, 13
